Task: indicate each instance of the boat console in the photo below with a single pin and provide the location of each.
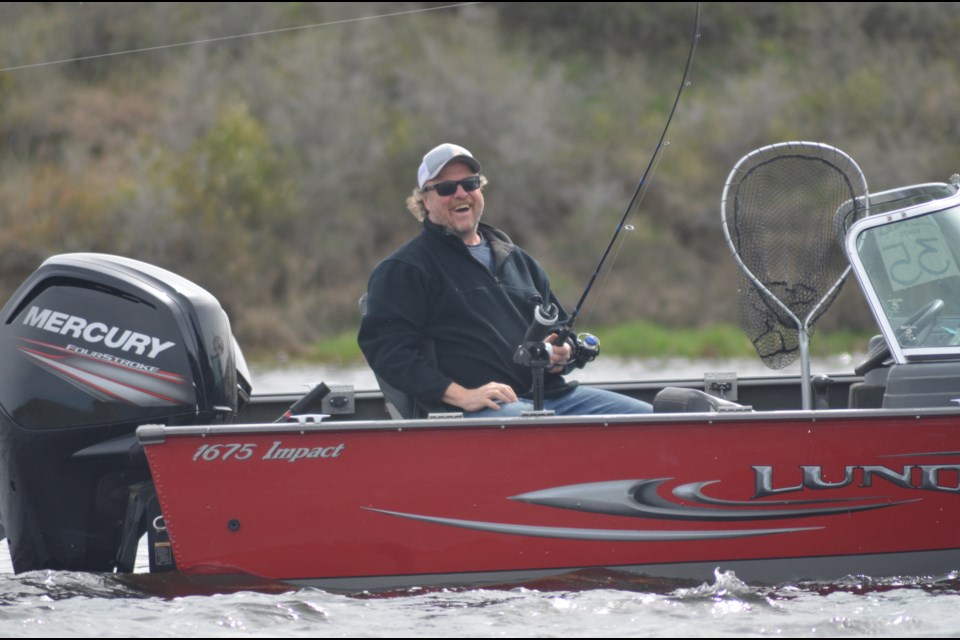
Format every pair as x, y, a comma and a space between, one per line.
906, 257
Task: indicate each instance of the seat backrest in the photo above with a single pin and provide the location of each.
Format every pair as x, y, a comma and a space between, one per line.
400, 405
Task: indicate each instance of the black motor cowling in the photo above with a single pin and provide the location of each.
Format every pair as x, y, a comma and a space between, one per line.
91, 347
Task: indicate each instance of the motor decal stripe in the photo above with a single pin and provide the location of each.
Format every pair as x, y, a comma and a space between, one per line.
103, 387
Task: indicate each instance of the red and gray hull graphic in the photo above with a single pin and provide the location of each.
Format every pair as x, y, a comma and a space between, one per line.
640, 499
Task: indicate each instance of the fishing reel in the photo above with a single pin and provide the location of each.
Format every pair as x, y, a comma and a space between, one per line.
585, 347
535, 353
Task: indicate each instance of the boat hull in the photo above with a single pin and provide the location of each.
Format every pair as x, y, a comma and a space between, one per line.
774, 496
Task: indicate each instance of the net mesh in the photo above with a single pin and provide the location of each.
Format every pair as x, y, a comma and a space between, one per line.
787, 208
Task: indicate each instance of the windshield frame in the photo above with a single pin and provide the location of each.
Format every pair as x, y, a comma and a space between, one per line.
899, 213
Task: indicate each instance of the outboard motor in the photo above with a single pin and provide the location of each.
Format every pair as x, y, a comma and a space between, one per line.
91, 347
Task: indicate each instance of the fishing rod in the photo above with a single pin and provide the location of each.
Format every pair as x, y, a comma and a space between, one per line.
567, 328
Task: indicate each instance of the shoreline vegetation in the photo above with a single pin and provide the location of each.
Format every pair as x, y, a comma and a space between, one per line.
267, 159
637, 340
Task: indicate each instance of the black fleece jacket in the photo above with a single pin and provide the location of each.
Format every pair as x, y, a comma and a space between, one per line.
432, 288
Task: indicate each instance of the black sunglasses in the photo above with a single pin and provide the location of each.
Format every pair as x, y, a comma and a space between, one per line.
449, 187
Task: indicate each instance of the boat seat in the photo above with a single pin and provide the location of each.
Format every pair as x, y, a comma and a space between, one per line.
869, 393
401, 405
684, 400
923, 384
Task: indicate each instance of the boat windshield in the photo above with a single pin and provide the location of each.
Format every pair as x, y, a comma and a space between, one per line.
908, 262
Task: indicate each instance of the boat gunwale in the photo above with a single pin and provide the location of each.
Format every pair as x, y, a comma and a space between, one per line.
149, 434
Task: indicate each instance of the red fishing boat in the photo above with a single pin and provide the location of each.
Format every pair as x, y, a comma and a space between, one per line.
127, 409
771, 495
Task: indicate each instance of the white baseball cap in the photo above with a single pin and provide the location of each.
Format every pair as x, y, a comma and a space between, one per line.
439, 157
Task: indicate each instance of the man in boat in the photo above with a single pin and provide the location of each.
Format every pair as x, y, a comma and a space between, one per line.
463, 287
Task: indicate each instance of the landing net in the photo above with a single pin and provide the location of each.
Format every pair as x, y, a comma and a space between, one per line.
785, 210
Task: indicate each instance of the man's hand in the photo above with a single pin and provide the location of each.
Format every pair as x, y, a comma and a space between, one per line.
560, 355
489, 396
